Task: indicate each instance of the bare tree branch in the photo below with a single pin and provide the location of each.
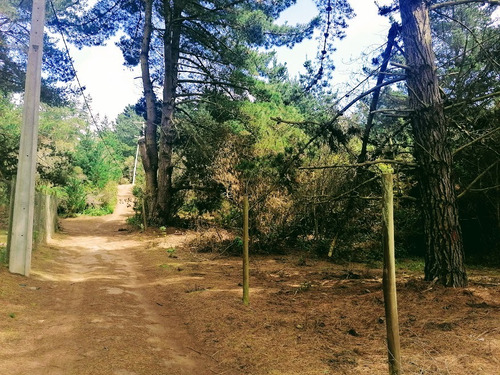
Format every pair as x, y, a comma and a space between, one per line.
476, 140
476, 179
473, 100
364, 164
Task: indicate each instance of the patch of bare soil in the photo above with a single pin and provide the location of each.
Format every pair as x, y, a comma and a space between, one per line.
103, 300
87, 308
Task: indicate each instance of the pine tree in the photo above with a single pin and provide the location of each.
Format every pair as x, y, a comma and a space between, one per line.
192, 50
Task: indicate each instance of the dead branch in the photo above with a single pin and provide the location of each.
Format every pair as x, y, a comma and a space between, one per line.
280, 120
476, 140
473, 100
398, 65
487, 188
364, 164
355, 188
476, 179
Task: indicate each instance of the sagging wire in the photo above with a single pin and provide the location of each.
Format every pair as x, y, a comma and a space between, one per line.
80, 86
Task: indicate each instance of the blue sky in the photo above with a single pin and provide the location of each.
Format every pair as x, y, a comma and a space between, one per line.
112, 86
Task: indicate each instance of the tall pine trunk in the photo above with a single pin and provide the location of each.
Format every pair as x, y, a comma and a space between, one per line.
148, 145
444, 246
156, 154
171, 40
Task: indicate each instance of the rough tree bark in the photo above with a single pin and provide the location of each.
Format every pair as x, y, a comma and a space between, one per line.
444, 246
148, 145
171, 40
156, 154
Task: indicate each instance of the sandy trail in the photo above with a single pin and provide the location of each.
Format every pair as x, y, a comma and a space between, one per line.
95, 313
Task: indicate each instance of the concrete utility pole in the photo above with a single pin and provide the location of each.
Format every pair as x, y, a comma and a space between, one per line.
135, 164
22, 216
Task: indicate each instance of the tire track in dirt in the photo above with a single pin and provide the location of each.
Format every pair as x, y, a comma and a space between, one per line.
98, 316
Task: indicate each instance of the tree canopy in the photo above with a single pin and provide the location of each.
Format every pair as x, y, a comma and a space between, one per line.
220, 118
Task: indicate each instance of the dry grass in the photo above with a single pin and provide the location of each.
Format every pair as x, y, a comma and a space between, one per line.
322, 318
306, 316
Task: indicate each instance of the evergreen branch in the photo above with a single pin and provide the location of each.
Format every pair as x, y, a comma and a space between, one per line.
393, 111
340, 113
480, 44
188, 94
398, 65
186, 53
205, 10
362, 95
98, 17
215, 42
214, 10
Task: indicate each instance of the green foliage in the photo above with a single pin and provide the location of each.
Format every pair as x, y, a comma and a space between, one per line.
10, 120
127, 129
97, 211
97, 159
171, 252
72, 161
137, 220
109, 196
14, 40
3, 255
238, 243
73, 200
59, 132
58, 135
227, 144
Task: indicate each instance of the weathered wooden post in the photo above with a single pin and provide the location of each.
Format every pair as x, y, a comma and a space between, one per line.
246, 265
389, 276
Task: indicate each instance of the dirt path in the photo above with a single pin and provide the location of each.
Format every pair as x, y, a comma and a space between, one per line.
91, 312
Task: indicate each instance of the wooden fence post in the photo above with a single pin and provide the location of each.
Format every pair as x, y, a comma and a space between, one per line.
389, 277
246, 266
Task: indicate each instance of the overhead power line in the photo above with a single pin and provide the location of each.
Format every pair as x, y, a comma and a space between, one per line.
80, 86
